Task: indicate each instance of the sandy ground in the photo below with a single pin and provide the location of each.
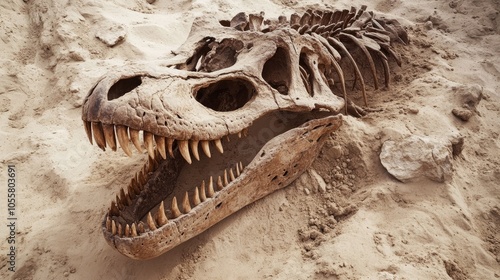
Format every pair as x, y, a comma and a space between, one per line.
367, 225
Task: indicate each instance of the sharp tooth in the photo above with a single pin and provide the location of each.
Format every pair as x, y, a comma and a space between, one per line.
127, 230
194, 149
119, 203
108, 223
184, 149
203, 195
113, 227
206, 148
185, 204
225, 178
120, 230
99, 135
122, 135
151, 165
161, 218
133, 230
151, 223
241, 167
140, 227
218, 145
141, 178
135, 186
134, 136
210, 189
227, 138
170, 143
245, 132
123, 197
148, 143
131, 192
160, 146
114, 211
109, 135
238, 173
239, 134
220, 186
174, 208
88, 130
231, 174
196, 197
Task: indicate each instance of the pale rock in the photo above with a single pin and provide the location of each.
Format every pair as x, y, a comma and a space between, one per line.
320, 182
111, 35
417, 157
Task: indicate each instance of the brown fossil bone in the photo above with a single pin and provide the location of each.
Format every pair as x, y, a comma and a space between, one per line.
240, 110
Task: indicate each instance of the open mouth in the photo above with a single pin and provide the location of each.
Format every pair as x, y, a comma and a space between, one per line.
183, 182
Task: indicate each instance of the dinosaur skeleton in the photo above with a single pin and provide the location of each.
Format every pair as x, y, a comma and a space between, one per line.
264, 94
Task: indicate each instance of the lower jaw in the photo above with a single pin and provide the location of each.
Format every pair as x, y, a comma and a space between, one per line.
271, 166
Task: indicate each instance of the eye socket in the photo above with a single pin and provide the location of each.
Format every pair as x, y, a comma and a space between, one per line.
276, 71
123, 86
225, 95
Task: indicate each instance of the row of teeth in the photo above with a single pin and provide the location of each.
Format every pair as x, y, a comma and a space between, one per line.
199, 195
106, 134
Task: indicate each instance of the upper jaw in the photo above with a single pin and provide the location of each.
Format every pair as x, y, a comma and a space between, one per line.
165, 102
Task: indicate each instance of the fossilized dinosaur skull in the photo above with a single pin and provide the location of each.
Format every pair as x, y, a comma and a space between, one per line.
262, 94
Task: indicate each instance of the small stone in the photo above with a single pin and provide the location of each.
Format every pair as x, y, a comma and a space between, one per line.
150, 1
66, 274
112, 35
463, 114
321, 184
307, 191
428, 25
416, 157
413, 111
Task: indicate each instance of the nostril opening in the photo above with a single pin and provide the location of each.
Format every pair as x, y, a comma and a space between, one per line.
124, 86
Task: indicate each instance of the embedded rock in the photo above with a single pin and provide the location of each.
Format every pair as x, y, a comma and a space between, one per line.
417, 157
112, 35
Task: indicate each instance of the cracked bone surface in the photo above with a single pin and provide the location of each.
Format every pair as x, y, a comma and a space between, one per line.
240, 110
